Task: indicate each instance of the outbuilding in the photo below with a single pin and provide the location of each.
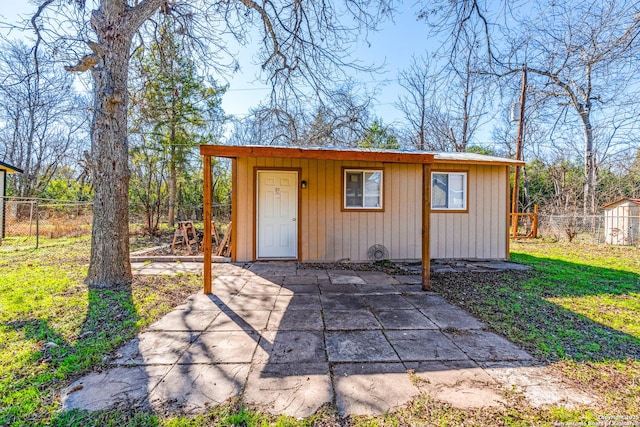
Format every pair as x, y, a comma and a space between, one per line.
5, 169
622, 222
320, 204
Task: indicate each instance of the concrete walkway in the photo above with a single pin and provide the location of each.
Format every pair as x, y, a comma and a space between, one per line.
289, 340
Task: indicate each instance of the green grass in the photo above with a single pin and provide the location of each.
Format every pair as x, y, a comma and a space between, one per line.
53, 328
579, 310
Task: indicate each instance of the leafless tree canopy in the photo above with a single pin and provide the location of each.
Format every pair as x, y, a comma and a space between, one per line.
302, 42
41, 120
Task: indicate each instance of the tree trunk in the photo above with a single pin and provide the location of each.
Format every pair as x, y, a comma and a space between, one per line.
590, 172
173, 177
109, 263
114, 23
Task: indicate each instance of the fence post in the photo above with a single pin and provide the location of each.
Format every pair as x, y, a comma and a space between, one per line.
37, 225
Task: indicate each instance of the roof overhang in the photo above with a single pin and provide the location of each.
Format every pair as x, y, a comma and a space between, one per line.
367, 155
390, 156
9, 169
624, 199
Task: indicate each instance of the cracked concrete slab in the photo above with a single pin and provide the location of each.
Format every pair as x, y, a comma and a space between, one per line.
538, 384
192, 389
371, 388
462, 384
121, 386
296, 390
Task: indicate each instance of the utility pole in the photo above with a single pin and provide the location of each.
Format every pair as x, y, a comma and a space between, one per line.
516, 178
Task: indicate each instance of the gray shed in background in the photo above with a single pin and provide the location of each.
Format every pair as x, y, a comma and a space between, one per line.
5, 169
622, 222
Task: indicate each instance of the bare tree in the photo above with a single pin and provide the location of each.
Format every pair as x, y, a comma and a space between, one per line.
42, 120
444, 107
585, 54
301, 40
338, 118
415, 104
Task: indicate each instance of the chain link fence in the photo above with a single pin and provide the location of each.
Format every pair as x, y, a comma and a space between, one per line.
596, 229
27, 222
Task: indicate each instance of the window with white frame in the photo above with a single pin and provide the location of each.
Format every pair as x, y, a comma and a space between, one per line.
362, 189
449, 191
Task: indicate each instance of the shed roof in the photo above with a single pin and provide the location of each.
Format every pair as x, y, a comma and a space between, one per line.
624, 199
8, 168
372, 155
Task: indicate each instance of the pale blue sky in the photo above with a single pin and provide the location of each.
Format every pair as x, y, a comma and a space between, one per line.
393, 46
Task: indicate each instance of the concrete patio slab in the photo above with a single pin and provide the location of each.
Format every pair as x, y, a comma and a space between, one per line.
155, 348
426, 300
301, 289
298, 302
312, 272
387, 302
383, 288
359, 346
424, 345
204, 302
345, 277
251, 302
342, 302
447, 316
462, 384
537, 383
291, 347
371, 388
296, 390
404, 319
117, 387
344, 320
301, 280
289, 340
185, 320
377, 278
487, 346
192, 389
221, 347
409, 279
241, 320
296, 320
338, 288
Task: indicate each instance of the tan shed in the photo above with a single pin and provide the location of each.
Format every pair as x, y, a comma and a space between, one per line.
317, 204
5, 169
622, 222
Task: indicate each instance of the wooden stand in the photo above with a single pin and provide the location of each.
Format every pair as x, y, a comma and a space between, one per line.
224, 248
186, 236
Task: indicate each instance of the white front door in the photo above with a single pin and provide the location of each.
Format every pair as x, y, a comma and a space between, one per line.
277, 214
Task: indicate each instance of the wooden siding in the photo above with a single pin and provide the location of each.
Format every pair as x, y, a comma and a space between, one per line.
327, 234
